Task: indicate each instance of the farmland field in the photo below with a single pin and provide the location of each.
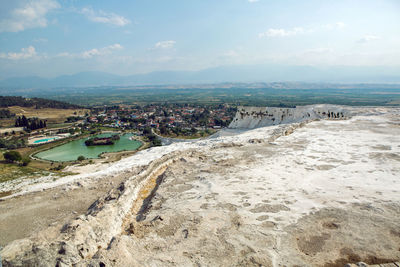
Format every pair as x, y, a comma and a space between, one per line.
52, 115
355, 96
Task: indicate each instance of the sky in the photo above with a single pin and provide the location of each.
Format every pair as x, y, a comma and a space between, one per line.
48, 38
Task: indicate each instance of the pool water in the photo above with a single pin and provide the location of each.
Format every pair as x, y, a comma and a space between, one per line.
72, 150
44, 140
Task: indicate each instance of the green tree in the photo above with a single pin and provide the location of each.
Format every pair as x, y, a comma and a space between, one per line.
12, 156
26, 161
80, 158
163, 130
147, 131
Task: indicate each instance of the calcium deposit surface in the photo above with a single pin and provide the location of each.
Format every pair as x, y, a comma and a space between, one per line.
308, 193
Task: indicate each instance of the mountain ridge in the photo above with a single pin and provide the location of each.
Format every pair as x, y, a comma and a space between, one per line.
249, 73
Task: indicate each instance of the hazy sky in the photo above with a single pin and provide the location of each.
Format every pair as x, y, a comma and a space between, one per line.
53, 37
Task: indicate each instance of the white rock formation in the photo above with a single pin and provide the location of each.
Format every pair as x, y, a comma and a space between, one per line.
321, 193
254, 117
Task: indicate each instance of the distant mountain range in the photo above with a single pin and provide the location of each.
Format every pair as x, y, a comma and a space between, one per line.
251, 73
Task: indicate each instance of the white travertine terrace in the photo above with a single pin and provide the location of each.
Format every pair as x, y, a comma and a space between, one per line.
254, 117
307, 192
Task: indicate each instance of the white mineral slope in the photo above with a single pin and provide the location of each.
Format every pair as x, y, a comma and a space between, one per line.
321, 193
254, 117
327, 194
142, 158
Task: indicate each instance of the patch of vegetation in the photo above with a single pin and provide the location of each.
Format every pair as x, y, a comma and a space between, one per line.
7, 101
180, 133
238, 96
30, 124
151, 137
59, 167
73, 119
58, 125
12, 143
12, 156
13, 171
101, 141
25, 161
6, 114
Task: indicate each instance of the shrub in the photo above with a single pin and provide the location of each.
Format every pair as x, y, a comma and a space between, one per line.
26, 161
147, 131
12, 143
59, 167
12, 156
80, 158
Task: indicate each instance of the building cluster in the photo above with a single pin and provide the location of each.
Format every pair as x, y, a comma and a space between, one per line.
163, 116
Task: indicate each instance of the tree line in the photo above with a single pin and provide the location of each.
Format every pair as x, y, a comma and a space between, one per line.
30, 123
5, 114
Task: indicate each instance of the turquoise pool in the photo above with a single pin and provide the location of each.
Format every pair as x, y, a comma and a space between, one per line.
44, 140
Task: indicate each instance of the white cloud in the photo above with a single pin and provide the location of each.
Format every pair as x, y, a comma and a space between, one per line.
340, 25
90, 53
63, 54
230, 53
282, 32
103, 17
115, 47
334, 26
300, 30
368, 38
163, 59
320, 50
41, 40
165, 44
252, 1
94, 52
24, 54
100, 51
30, 14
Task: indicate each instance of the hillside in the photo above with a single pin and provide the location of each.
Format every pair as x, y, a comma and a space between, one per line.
247, 73
38, 103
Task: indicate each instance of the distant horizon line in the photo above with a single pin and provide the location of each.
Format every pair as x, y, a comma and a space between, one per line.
205, 69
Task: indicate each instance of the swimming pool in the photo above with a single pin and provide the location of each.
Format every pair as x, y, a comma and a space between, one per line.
44, 140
